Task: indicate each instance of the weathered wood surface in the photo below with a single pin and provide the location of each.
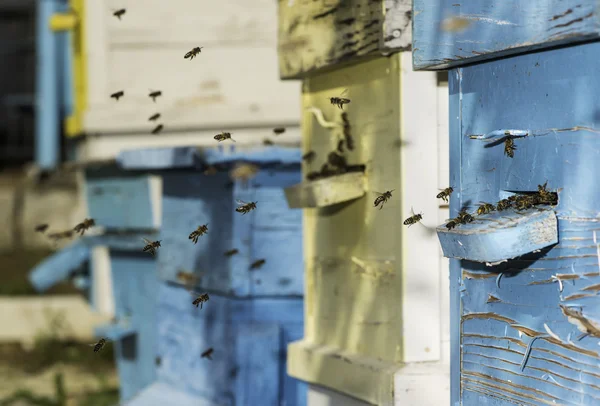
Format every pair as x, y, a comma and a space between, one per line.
450, 33
314, 35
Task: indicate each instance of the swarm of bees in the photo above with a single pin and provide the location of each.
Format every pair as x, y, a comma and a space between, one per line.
197, 233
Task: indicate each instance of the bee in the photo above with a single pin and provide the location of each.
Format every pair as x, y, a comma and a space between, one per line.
41, 228
445, 194
208, 353
464, 217
151, 246
503, 204
451, 224
257, 264
309, 156
231, 252
187, 277
60, 235
267, 141
414, 219
245, 207
83, 226
509, 147
154, 94
117, 95
99, 345
278, 130
485, 208
524, 202
545, 196
157, 129
340, 146
201, 299
200, 231
244, 171
339, 101
347, 135
195, 51
382, 198
223, 136
336, 160
119, 13
154, 117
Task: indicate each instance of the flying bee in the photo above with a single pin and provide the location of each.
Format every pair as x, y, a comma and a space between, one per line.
339, 101
200, 231
83, 226
451, 224
268, 142
117, 95
187, 277
414, 219
195, 51
154, 94
207, 353
151, 246
309, 156
231, 252
243, 171
119, 13
223, 136
157, 129
201, 299
464, 217
154, 117
503, 204
61, 235
257, 264
445, 194
41, 228
278, 130
509, 147
245, 207
99, 345
382, 198
485, 208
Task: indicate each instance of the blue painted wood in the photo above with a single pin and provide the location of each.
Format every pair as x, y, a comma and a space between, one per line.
249, 338
135, 288
500, 236
192, 157
272, 232
551, 295
115, 331
131, 241
120, 202
160, 394
448, 33
59, 266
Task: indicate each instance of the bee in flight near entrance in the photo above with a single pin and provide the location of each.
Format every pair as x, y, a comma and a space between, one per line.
200, 231
41, 228
200, 299
151, 246
99, 345
154, 94
382, 198
154, 117
157, 129
509, 147
257, 264
245, 207
208, 353
223, 136
119, 13
195, 51
445, 194
278, 130
117, 95
231, 253
485, 208
83, 226
414, 219
340, 101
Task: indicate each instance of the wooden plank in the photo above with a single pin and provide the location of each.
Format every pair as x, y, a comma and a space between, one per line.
315, 35
449, 33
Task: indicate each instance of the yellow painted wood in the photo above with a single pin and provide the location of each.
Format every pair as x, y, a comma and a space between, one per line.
73, 123
353, 306
63, 22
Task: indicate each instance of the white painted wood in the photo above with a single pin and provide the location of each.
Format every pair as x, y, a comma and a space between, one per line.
102, 291
419, 163
426, 384
109, 146
97, 51
156, 199
25, 318
320, 396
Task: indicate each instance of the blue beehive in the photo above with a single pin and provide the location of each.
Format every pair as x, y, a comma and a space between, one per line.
524, 283
251, 314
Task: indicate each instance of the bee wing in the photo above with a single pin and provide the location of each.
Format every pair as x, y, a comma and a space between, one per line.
379, 193
146, 241
344, 92
241, 202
